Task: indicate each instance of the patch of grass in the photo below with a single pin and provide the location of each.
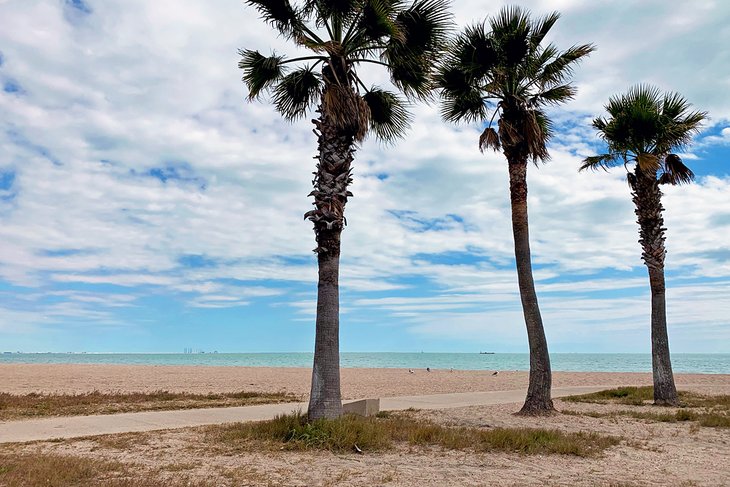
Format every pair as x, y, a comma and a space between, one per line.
708, 419
38, 405
51, 470
638, 396
292, 432
714, 420
635, 396
709, 411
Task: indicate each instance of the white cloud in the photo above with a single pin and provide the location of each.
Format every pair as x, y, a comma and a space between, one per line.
142, 86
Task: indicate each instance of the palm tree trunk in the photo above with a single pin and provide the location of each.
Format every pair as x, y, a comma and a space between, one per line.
647, 198
325, 398
538, 399
330, 196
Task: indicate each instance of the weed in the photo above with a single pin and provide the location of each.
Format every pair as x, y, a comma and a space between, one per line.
292, 432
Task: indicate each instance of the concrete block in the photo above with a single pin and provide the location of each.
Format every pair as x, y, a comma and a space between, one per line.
363, 407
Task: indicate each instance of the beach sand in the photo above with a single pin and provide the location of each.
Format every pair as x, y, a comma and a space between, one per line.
356, 383
650, 453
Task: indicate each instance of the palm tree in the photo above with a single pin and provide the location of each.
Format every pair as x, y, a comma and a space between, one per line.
502, 66
644, 128
340, 36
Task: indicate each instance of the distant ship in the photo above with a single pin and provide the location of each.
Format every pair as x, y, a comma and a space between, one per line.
486, 353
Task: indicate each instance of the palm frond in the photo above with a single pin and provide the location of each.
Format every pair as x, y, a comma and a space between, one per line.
376, 21
467, 107
259, 71
425, 26
648, 163
602, 161
389, 118
347, 110
555, 96
280, 14
511, 31
541, 27
537, 131
453, 81
680, 125
296, 92
675, 172
475, 51
422, 32
333, 11
561, 68
411, 76
489, 139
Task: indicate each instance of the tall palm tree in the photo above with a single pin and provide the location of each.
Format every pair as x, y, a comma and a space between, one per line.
644, 128
503, 67
340, 37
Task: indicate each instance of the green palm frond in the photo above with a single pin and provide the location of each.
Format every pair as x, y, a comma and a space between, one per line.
511, 31
504, 60
423, 32
475, 52
602, 161
259, 71
467, 107
296, 92
377, 21
425, 26
541, 27
389, 117
411, 76
561, 68
644, 126
453, 81
406, 39
331, 11
280, 14
555, 96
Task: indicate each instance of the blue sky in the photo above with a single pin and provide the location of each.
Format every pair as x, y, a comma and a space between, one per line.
146, 206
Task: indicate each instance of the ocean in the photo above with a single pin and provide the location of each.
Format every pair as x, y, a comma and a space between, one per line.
569, 362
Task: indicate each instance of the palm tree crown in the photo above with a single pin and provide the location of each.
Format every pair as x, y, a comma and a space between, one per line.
645, 127
503, 62
341, 35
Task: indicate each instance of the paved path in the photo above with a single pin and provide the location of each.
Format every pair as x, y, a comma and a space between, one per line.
77, 426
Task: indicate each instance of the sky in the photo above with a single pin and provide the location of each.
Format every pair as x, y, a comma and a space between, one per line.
146, 206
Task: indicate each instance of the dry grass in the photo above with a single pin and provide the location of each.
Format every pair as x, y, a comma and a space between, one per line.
39, 405
50, 470
349, 433
710, 411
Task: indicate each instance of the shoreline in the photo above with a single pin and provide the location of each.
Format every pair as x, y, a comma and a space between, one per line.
356, 382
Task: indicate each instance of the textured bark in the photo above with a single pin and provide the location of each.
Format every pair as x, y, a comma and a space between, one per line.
325, 399
647, 198
332, 178
538, 400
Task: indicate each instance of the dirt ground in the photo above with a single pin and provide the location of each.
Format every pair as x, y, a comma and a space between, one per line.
649, 454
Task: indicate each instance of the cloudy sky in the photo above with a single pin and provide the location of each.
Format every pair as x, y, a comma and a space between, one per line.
146, 206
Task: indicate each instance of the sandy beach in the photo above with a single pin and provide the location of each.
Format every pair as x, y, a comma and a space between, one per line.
356, 383
650, 453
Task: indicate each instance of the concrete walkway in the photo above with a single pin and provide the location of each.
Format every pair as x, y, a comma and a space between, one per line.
77, 426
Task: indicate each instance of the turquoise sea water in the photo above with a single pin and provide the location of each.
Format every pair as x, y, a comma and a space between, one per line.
576, 362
